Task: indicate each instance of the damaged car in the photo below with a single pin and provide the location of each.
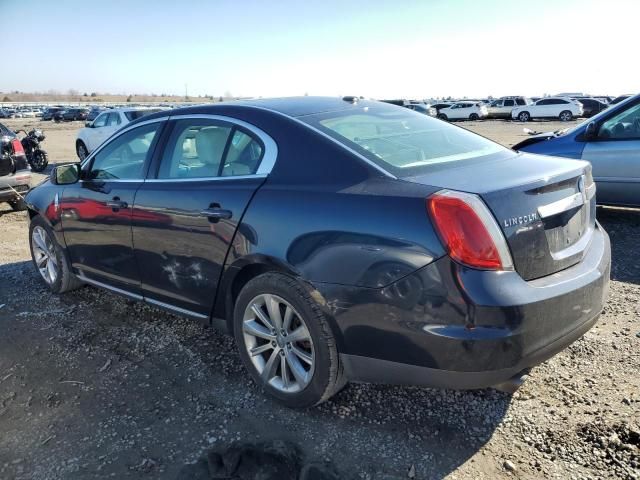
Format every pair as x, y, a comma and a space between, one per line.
15, 173
337, 240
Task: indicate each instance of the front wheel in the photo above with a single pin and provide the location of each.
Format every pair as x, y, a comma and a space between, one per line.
474, 117
39, 161
524, 116
565, 116
285, 341
442, 116
50, 259
81, 150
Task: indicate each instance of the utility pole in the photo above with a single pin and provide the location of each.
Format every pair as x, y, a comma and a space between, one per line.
186, 96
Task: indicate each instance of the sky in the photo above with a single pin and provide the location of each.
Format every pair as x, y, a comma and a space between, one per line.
374, 48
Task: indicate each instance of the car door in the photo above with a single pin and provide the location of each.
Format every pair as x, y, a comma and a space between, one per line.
615, 156
507, 106
96, 212
185, 218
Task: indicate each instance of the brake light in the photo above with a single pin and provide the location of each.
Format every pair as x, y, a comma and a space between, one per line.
469, 231
17, 147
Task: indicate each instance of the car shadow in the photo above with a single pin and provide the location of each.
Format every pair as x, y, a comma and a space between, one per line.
623, 227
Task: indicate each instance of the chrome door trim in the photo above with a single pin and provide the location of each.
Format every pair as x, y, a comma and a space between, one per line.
173, 308
135, 296
106, 286
270, 154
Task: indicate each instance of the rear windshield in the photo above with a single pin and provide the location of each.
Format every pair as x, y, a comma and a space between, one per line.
135, 114
401, 141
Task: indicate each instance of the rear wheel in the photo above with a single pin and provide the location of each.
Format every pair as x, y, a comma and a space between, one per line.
474, 117
442, 116
565, 116
50, 259
524, 116
39, 161
285, 341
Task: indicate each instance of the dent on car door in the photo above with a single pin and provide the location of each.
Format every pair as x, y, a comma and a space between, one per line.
96, 212
615, 157
185, 218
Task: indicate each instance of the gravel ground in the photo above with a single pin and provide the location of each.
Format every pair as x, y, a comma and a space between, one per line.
96, 386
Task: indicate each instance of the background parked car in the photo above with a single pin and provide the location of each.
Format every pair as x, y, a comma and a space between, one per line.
50, 112
426, 109
611, 142
440, 106
502, 107
619, 99
71, 114
591, 106
15, 173
561, 108
104, 125
464, 111
94, 112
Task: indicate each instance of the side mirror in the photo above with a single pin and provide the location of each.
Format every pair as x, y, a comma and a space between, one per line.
88, 124
65, 174
591, 131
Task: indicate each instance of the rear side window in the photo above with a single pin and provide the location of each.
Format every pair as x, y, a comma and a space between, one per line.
202, 148
403, 142
508, 103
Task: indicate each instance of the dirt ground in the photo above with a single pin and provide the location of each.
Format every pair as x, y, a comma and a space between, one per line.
96, 386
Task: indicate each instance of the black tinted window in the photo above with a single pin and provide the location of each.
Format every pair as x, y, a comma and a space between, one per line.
135, 114
520, 101
509, 103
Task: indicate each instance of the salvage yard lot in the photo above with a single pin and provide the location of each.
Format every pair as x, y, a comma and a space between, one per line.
96, 386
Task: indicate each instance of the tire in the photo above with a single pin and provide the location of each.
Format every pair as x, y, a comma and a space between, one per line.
324, 376
81, 149
473, 117
18, 205
565, 116
443, 117
45, 245
524, 116
40, 161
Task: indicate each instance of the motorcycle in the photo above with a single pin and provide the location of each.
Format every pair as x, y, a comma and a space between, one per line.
36, 156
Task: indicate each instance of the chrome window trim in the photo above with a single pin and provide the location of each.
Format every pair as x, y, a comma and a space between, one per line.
117, 134
205, 179
329, 137
269, 156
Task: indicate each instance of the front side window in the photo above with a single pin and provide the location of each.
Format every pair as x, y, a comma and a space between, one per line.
101, 120
124, 157
623, 126
206, 148
402, 142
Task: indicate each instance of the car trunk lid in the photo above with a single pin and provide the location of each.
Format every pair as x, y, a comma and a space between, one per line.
545, 206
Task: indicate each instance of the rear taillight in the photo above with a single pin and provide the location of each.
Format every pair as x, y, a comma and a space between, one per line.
17, 147
469, 231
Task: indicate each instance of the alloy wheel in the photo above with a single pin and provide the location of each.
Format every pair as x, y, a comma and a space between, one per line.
44, 255
278, 343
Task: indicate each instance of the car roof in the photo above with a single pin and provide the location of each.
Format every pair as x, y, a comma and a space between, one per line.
288, 106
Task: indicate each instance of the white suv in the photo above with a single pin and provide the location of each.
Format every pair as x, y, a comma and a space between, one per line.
96, 132
465, 110
564, 109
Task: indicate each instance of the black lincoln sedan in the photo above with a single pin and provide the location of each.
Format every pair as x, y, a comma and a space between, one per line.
336, 239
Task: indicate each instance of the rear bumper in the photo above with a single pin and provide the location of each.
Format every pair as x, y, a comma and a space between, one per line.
454, 327
17, 182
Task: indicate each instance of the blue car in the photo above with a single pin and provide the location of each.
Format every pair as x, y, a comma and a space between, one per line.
610, 141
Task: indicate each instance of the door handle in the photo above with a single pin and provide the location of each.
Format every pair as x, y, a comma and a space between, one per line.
116, 203
216, 213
